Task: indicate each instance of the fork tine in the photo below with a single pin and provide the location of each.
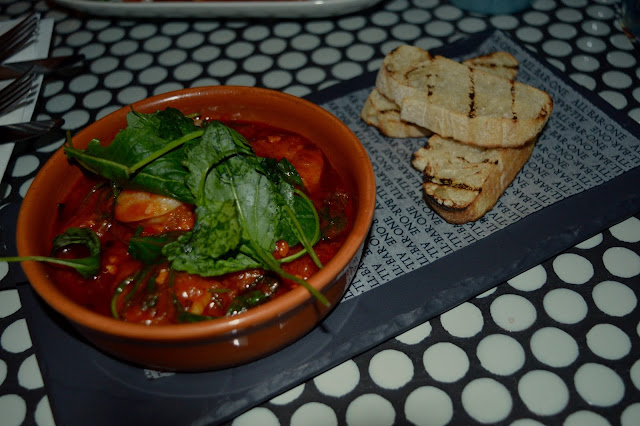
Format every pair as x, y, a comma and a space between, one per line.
12, 95
16, 38
18, 27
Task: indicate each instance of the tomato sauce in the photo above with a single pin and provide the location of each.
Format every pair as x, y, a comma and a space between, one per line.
160, 295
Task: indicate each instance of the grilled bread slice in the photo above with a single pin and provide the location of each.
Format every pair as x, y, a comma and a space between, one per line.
380, 112
463, 182
460, 102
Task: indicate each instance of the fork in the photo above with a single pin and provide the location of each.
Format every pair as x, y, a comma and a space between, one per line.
13, 94
19, 36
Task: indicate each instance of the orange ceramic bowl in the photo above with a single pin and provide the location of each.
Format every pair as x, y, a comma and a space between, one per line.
221, 342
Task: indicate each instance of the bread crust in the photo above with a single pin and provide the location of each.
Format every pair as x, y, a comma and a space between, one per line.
468, 198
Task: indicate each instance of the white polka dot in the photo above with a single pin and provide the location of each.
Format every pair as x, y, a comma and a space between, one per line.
311, 75
152, 75
621, 262
391, 369
121, 78
621, 59
416, 334
257, 416
3, 371
157, 44
338, 381
314, 414
529, 34
187, 71
339, 39
29, 375
25, 165
43, 414
590, 243
512, 312
372, 35
554, 347
591, 44
608, 341
346, 70
138, 61
486, 400
13, 409
526, 422
627, 231
97, 99
614, 298
584, 80
445, 362
405, 31
504, 22
486, 293
630, 415
464, 320
83, 83
9, 301
583, 418
616, 99
557, 48
371, 410
598, 385
288, 396
634, 373
439, 28
585, 63
500, 354
562, 31
565, 306
428, 406
617, 79
15, 337
529, 280
543, 392
572, 268
596, 28
277, 79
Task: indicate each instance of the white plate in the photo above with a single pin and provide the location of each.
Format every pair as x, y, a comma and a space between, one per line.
220, 9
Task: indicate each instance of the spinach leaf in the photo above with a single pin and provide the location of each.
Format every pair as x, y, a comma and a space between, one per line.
86, 266
143, 155
149, 249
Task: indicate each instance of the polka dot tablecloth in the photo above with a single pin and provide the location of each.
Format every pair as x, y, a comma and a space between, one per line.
557, 344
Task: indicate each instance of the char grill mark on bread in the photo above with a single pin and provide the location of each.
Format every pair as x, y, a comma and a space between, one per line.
472, 95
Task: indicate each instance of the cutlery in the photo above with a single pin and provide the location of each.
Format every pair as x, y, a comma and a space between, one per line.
59, 65
21, 132
19, 36
13, 94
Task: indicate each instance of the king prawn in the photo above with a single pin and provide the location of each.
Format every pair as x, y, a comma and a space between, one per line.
182, 219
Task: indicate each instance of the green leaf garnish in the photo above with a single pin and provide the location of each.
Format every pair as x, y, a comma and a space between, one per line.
86, 266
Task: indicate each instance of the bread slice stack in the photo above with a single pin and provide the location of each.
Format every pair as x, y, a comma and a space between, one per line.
483, 124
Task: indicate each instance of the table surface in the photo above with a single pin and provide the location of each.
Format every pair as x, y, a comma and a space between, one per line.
557, 344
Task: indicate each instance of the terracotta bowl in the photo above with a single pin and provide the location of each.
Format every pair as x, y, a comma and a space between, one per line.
221, 342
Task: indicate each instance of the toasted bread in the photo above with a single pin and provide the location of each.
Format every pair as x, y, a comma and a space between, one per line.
381, 112
460, 102
463, 182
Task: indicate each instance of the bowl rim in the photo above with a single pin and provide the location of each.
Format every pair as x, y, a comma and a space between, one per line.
256, 317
